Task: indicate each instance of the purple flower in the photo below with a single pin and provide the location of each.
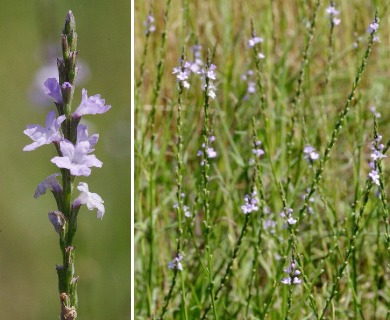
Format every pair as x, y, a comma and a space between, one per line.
91, 105
92, 200
251, 87
175, 263
332, 12
82, 135
258, 151
49, 183
52, 89
41, 135
373, 27
207, 151
310, 154
253, 41
250, 203
211, 153
149, 24
374, 176
75, 158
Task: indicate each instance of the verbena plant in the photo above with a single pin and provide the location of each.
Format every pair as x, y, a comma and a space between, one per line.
73, 145
260, 183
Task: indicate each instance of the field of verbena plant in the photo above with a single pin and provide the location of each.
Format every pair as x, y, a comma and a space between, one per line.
260, 151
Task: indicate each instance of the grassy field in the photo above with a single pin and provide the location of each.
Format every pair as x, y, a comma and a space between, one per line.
269, 200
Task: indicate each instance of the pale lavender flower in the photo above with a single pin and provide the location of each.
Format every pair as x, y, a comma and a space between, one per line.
41, 135
52, 89
92, 200
76, 158
336, 21
258, 151
38, 91
377, 154
149, 24
261, 56
376, 39
251, 203
196, 66
207, 151
374, 176
210, 74
251, 87
310, 154
176, 263
90, 105
82, 135
253, 41
332, 11
211, 153
287, 214
373, 27
49, 183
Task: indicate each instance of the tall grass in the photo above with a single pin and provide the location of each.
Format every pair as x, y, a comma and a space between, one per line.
258, 203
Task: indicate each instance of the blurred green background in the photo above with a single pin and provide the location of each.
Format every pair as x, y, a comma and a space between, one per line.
28, 244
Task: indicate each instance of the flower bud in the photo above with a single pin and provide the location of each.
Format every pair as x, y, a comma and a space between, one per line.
57, 219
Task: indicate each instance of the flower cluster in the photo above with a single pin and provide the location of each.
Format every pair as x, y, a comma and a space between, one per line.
184, 71
74, 156
209, 73
332, 12
287, 214
149, 24
373, 28
310, 154
176, 263
207, 150
250, 204
376, 155
251, 84
186, 209
293, 274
